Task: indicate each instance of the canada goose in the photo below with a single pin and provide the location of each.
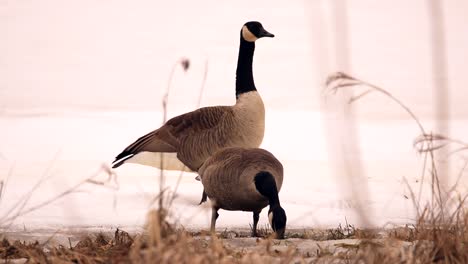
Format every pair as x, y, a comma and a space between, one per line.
192, 137
245, 179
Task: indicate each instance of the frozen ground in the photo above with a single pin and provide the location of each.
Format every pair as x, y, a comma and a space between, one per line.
69, 147
333, 250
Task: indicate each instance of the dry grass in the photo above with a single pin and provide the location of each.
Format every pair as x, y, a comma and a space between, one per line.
441, 231
160, 243
165, 244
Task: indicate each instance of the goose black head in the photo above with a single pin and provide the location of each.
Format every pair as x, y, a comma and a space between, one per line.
253, 30
277, 218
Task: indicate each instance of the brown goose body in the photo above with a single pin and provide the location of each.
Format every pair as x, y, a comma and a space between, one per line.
186, 141
194, 136
228, 178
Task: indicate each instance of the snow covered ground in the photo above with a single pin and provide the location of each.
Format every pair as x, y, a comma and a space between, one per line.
66, 148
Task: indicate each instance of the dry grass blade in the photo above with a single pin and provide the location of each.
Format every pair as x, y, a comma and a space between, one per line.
202, 86
200, 96
21, 203
338, 76
157, 198
413, 197
357, 97
421, 143
341, 80
10, 217
460, 174
184, 63
437, 237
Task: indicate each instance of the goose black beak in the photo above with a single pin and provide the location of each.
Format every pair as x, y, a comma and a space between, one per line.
264, 33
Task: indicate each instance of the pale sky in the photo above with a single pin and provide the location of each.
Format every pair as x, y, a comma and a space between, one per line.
118, 54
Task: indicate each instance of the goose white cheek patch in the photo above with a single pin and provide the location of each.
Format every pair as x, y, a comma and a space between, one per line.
270, 218
247, 35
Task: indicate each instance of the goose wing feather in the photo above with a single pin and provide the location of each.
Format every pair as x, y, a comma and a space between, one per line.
168, 137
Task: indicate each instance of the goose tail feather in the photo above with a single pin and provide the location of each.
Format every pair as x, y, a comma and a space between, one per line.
121, 158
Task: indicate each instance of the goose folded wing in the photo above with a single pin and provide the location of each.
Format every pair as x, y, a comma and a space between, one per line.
205, 118
167, 137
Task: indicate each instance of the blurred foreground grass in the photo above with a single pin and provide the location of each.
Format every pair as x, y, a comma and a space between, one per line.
161, 242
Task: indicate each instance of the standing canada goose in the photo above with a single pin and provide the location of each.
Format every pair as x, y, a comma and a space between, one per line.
245, 179
192, 137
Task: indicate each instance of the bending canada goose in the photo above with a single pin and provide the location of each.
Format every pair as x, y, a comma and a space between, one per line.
192, 137
245, 179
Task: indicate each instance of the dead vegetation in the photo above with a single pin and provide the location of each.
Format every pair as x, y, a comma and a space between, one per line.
440, 233
160, 243
163, 243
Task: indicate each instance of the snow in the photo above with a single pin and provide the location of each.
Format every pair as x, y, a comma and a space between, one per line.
64, 149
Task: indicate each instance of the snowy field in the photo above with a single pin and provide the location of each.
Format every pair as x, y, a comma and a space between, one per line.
63, 149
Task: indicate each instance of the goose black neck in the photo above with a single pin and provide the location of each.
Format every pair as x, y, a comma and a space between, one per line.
266, 186
244, 76
274, 207
273, 200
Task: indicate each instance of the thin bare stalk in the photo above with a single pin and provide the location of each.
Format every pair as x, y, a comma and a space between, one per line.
8, 220
339, 81
158, 197
460, 174
200, 96
420, 143
421, 185
185, 64
5, 183
21, 203
202, 86
413, 197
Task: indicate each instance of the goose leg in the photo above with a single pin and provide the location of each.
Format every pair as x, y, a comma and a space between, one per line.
214, 216
256, 217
